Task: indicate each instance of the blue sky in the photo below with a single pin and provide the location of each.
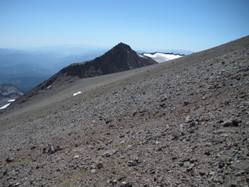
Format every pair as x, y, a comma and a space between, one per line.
144, 24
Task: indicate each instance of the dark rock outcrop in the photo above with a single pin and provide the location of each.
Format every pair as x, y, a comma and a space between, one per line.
119, 58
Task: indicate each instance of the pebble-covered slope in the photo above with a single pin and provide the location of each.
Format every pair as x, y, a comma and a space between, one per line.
176, 124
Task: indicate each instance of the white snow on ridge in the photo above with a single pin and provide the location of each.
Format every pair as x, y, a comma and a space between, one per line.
4, 106
11, 100
77, 93
49, 86
162, 57
8, 104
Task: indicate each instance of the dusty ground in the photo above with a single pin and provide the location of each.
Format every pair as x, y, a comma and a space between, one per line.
183, 123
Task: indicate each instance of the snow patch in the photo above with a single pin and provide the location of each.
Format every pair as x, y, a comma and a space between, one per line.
4, 106
11, 100
162, 57
77, 93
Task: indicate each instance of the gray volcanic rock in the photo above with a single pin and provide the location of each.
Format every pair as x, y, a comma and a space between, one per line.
181, 123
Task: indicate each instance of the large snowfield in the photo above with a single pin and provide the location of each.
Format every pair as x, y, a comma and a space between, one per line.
162, 57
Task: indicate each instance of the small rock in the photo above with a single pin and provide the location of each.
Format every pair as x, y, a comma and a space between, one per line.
188, 119
9, 159
76, 145
15, 184
112, 182
121, 136
187, 164
134, 162
202, 173
174, 158
221, 164
107, 121
109, 153
163, 105
76, 156
211, 173
134, 113
241, 165
93, 170
51, 149
185, 103
5, 172
122, 142
193, 123
232, 123
218, 179
207, 153
99, 165
180, 164
126, 184
163, 98
204, 97
182, 129
33, 147
93, 166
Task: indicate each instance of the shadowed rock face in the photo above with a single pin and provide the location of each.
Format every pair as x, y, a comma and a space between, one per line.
119, 58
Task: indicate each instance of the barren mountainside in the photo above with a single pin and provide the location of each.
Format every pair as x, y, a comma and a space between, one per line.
182, 123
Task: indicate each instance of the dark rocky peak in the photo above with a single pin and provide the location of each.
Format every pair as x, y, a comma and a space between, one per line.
120, 58
119, 49
122, 46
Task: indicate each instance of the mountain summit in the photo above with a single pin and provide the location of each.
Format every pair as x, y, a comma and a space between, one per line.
120, 58
121, 46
